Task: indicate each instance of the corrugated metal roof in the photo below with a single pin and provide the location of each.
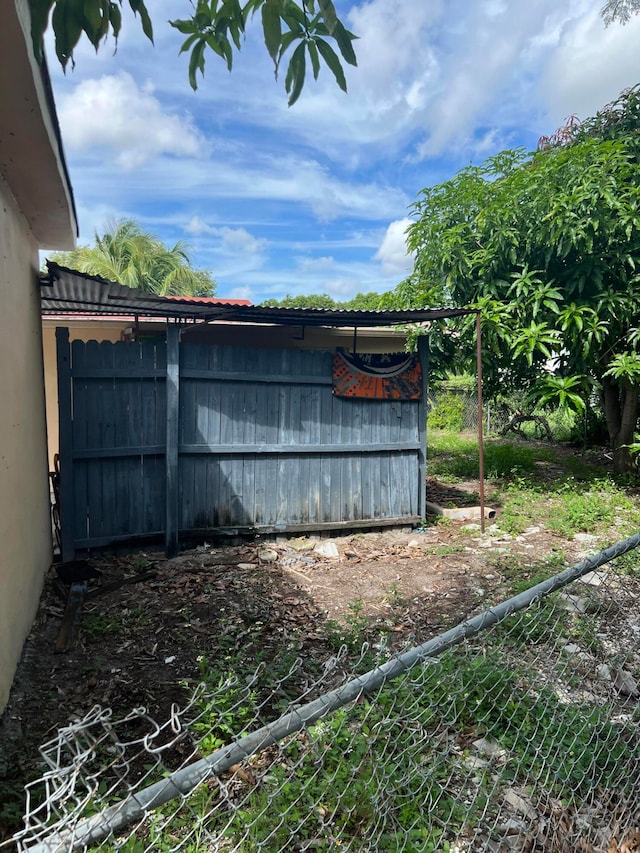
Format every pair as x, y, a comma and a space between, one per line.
66, 291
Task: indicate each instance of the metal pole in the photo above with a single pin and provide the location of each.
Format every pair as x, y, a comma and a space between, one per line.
480, 431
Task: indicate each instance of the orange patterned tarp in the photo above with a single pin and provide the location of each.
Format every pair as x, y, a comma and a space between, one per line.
387, 376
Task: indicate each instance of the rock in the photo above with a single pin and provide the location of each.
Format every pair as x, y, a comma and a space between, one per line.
327, 549
473, 762
571, 649
472, 526
489, 748
301, 544
625, 683
267, 555
514, 826
413, 543
594, 578
246, 566
519, 803
585, 538
575, 604
603, 673
530, 531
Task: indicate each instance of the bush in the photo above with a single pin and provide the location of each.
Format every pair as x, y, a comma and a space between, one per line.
447, 413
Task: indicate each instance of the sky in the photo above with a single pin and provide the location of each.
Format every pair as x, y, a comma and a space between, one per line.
316, 198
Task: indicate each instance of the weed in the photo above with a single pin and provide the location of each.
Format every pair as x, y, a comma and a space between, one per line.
444, 550
629, 563
351, 633
97, 625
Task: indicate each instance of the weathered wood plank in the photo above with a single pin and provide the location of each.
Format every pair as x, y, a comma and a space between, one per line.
423, 355
63, 355
171, 458
250, 453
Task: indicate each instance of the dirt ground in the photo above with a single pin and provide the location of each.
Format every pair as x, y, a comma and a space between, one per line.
142, 641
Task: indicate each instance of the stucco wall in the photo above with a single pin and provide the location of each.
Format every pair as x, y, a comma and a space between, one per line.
78, 330
25, 531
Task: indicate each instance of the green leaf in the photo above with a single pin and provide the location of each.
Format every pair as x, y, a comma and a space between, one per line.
343, 39
315, 59
188, 43
93, 15
196, 63
203, 18
185, 27
272, 29
328, 12
40, 10
295, 74
333, 62
139, 8
68, 23
115, 19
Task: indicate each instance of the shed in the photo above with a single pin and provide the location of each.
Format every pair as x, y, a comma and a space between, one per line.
239, 419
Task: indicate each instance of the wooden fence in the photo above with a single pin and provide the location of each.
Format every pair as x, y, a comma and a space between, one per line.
169, 439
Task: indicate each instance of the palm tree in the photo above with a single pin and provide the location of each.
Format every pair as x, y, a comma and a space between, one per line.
133, 257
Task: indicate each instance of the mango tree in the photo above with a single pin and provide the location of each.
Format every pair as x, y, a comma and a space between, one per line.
307, 31
547, 246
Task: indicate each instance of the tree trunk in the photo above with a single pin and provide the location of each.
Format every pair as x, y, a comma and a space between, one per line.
620, 402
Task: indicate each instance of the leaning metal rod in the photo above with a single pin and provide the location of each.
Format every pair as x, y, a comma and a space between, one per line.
480, 432
115, 818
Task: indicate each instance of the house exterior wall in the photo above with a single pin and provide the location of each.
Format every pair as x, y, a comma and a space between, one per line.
36, 212
82, 331
25, 529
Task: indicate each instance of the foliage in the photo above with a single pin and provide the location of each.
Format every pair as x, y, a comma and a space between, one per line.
326, 781
305, 28
555, 275
360, 302
447, 413
311, 300
454, 457
619, 10
127, 254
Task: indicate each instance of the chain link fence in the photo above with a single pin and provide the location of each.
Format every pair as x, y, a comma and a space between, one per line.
456, 409
517, 730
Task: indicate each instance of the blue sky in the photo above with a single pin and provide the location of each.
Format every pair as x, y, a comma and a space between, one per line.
316, 198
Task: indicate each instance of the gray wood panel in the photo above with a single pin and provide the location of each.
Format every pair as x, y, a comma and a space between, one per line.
261, 443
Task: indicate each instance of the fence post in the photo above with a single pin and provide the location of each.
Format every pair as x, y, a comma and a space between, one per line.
171, 456
65, 444
423, 355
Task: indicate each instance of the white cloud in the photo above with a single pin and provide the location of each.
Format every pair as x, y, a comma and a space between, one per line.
275, 179
393, 253
241, 293
232, 240
342, 288
113, 112
590, 66
307, 265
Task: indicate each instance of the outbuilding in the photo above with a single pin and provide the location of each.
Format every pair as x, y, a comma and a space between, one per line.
235, 419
